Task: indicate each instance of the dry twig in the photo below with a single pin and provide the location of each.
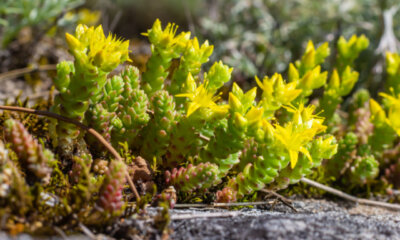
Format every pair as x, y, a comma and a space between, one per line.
87, 232
214, 205
280, 198
205, 215
21, 71
82, 126
350, 197
33, 96
61, 233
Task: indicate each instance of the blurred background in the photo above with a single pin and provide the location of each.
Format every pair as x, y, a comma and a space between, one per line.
256, 37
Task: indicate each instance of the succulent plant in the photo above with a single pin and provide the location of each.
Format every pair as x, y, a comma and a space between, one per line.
174, 128
177, 116
81, 82
110, 198
193, 178
32, 157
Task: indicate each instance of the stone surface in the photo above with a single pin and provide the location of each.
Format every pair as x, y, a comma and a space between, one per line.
314, 220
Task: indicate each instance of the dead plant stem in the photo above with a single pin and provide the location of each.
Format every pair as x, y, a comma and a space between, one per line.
21, 71
350, 197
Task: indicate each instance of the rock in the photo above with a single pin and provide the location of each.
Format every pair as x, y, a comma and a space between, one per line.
315, 220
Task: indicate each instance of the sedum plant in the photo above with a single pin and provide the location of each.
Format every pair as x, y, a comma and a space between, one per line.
81, 82
368, 132
355, 163
30, 153
343, 77
174, 114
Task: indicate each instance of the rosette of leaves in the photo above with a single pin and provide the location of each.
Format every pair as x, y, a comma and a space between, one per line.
33, 187
243, 121
191, 60
159, 130
192, 178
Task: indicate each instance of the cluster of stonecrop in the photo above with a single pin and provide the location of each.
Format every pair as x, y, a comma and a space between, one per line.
385, 118
173, 114
354, 164
367, 134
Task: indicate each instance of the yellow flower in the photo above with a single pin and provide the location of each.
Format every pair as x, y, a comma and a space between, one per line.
90, 46
308, 58
254, 116
88, 17
202, 97
378, 115
194, 47
393, 117
276, 92
304, 117
341, 86
305, 125
234, 103
294, 141
313, 79
268, 128
392, 63
394, 111
166, 38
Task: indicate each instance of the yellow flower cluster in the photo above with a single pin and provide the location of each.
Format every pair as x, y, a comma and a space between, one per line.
92, 49
167, 39
276, 93
295, 135
202, 97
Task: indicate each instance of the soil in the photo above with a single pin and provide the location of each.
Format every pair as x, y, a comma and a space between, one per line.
314, 219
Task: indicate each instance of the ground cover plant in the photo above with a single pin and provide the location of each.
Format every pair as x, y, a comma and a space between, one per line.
182, 136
